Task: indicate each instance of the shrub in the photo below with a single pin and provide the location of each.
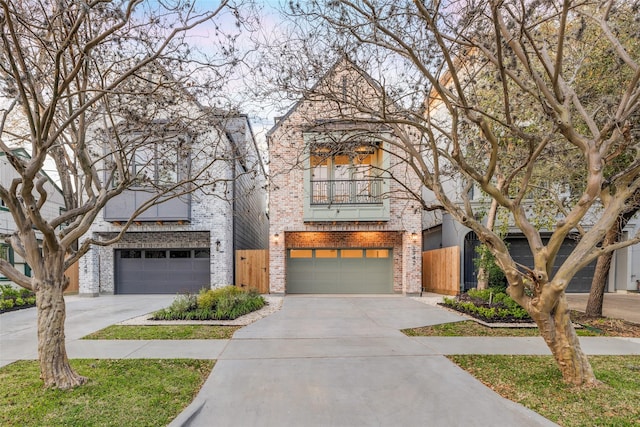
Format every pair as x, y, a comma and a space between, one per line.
225, 303
6, 303
19, 301
495, 275
183, 303
210, 298
9, 292
488, 305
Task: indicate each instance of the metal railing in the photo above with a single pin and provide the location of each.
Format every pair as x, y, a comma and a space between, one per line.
347, 192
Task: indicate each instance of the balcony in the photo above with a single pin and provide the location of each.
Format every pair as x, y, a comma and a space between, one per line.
122, 207
346, 200
347, 192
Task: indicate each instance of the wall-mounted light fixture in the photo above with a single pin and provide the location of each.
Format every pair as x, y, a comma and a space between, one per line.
276, 238
217, 245
414, 237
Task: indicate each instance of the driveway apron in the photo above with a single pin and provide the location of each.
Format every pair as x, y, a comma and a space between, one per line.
342, 361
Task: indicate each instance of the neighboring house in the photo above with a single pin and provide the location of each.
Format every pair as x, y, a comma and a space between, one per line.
338, 223
188, 242
440, 230
51, 209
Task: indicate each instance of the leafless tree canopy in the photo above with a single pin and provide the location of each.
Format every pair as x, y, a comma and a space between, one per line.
108, 95
534, 104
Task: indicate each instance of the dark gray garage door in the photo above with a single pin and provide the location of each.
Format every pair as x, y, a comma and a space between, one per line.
521, 254
161, 271
581, 282
339, 271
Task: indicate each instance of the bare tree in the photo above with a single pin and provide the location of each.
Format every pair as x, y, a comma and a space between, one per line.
484, 94
89, 82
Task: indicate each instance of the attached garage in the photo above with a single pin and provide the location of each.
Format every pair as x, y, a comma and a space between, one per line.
161, 271
519, 249
340, 271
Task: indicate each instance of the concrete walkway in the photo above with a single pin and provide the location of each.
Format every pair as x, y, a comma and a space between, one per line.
343, 362
319, 361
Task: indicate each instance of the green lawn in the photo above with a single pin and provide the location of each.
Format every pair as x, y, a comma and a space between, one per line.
536, 382
119, 393
469, 328
164, 332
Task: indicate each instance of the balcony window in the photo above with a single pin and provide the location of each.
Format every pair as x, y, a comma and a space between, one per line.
346, 176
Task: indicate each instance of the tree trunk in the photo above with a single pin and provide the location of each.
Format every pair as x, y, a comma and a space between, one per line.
559, 334
55, 370
603, 265
596, 293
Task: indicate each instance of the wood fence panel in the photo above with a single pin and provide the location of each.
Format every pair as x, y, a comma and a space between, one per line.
73, 273
252, 269
441, 271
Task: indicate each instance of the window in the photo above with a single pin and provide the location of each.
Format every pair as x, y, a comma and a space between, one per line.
326, 253
3, 206
351, 253
156, 162
377, 253
349, 175
155, 254
201, 253
5, 254
300, 253
180, 254
131, 254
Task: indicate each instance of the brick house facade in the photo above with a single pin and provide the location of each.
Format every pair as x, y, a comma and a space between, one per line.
196, 251
345, 225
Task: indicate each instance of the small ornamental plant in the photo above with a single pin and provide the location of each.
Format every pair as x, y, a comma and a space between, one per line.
12, 298
489, 305
226, 303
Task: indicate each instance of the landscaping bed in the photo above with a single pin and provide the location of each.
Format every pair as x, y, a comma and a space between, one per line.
495, 307
488, 305
12, 299
225, 303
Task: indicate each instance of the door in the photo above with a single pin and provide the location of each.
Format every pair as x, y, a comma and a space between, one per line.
340, 271
161, 271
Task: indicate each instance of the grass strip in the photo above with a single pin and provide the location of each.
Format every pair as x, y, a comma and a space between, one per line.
164, 332
536, 382
141, 392
469, 328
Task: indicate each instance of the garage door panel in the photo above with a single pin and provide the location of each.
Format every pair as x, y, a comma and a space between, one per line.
142, 274
328, 271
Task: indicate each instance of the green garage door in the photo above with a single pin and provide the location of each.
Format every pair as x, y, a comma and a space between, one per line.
339, 271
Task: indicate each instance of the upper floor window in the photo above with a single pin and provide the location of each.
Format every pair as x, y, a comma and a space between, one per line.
159, 164
349, 174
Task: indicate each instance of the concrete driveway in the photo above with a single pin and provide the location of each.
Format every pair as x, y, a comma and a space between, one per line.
18, 329
342, 361
617, 306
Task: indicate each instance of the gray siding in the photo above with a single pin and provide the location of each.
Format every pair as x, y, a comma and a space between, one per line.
251, 222
122, 207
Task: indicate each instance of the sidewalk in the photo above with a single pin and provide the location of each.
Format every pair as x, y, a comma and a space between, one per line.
319, 361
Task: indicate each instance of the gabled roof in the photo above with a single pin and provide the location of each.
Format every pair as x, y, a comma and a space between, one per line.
345, 62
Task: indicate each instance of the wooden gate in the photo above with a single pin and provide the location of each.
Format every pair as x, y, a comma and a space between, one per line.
73, 273
252, 269
441, 271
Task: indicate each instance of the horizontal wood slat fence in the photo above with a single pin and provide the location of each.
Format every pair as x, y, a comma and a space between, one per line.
252, 269
441, 271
